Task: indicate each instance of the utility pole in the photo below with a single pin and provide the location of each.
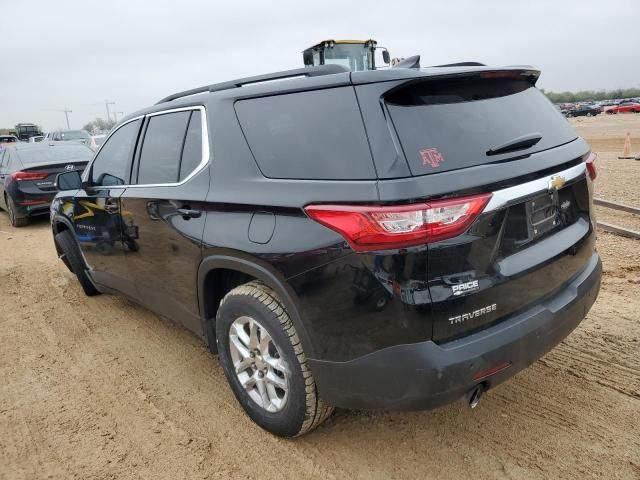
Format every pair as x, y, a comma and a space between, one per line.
66, 115
107, 103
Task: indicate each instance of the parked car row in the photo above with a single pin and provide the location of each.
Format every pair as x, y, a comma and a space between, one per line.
28, 168
586, 110
595, 108
80, 136
628, 106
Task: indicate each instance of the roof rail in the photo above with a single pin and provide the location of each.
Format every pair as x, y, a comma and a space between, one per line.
298, 72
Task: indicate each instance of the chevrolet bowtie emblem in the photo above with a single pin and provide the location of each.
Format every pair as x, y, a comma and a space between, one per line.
556, 182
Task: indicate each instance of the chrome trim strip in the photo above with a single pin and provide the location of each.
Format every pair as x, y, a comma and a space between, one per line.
506, 196
205, 148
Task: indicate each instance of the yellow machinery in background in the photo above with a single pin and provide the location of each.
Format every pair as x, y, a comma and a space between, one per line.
356, 55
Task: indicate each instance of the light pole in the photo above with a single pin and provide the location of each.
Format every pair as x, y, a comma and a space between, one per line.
107, 103
66, 115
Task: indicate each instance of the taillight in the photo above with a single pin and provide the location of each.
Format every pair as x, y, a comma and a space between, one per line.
382, 228
591, 165
29, 176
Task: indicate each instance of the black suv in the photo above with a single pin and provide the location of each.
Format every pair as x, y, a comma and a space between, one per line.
393, 239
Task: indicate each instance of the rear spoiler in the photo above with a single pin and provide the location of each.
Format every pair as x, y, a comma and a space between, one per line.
446, 71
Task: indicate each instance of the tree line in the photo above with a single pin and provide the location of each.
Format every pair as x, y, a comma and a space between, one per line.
99, 125
592, 95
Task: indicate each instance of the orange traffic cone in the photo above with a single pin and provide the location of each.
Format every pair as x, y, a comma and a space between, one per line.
626, 150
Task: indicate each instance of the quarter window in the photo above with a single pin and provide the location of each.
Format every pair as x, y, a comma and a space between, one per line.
162, 148
316, 135
111, 166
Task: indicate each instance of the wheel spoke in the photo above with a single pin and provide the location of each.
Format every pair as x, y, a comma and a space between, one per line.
253, 334
276, 363
262, 389
265, 340
242, 365
238, 346
238, 331
273, 397
247, 381
275, 380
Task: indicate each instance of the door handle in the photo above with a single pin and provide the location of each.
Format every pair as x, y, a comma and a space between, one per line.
188, 213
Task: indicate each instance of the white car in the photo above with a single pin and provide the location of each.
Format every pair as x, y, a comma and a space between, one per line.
96, 141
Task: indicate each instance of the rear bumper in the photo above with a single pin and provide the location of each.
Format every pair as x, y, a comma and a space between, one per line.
29, 205
427, 375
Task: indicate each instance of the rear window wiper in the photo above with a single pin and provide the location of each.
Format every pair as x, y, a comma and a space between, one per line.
520, 143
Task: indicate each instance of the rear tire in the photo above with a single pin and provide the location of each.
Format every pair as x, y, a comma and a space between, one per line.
73, 258
293, 406
11, 210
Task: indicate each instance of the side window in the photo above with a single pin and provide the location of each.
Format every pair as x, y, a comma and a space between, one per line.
162, 148
111, 166
317, 135
192, 151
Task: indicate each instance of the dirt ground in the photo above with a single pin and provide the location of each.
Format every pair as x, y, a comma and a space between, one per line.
97, 388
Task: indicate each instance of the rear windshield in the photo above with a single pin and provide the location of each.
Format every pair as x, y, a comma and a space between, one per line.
74, 135
448, 124
53, 154
310, 135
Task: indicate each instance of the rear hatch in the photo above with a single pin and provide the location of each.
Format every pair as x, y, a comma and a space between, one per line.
487, 131
42, 178
462, 121
513, 256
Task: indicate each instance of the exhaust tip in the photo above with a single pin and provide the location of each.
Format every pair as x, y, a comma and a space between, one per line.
474, 396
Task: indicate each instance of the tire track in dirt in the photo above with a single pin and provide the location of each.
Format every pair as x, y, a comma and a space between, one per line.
90, 348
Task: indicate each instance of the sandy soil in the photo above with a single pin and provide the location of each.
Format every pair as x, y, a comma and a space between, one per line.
95, 388
619, 179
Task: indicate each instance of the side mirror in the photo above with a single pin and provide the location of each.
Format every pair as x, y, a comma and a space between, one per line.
108, 180
386, 57
69, 181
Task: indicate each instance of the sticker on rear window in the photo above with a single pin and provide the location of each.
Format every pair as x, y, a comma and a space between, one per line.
431, 157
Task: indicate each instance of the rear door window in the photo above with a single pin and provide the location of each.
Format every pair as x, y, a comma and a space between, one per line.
310, 135
192, 151
162, 148
112, 165
449, 124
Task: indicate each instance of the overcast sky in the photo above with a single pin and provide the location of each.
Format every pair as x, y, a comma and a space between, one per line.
79, 53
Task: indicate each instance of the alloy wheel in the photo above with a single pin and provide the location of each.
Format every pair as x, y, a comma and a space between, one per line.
258, 365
